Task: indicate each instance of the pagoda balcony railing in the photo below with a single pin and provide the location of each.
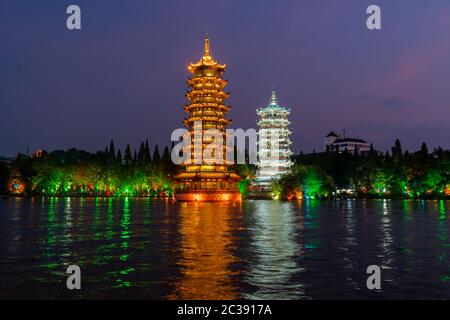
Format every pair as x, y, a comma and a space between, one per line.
207, 186
206, 93
203, 105
212, 119
208, 114
215, 80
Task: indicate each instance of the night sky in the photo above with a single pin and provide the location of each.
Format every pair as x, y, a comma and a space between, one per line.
123, 76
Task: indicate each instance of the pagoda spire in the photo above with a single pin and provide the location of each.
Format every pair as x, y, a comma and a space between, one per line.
206, 59
273, 99
207, 47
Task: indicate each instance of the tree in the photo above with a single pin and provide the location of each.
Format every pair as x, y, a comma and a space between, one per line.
166, 156
141, 154
147, 156
128, 157
397, 150
166, 160
424, 149
308, 181
111, 156
156, 156
119, 157
4, 177
440, 153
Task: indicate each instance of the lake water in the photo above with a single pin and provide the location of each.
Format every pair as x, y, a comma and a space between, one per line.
159, 249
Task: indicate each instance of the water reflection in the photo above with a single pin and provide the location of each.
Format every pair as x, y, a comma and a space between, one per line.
125, 235
153, 249
386, 235
274, 250
347, 208
206, 255
443, 256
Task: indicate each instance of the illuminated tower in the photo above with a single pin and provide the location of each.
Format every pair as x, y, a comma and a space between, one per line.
207, 178
274, 153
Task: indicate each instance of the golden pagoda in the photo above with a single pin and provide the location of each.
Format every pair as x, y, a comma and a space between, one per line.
206, 179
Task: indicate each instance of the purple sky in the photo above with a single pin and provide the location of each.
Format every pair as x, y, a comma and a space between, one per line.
123, 75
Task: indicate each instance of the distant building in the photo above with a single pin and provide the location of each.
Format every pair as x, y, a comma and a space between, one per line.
330, 139
6, 160
334, 142
38, 154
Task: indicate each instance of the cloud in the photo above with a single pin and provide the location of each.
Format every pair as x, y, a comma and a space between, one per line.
387, 102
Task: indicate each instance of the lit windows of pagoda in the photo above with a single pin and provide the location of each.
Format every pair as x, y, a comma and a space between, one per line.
207, 181
274, 153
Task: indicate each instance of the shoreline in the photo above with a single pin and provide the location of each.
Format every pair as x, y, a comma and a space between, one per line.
446, 198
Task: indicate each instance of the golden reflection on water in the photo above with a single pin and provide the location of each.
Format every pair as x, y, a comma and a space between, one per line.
206, 252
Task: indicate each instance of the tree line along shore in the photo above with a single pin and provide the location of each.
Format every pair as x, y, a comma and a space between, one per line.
142, 172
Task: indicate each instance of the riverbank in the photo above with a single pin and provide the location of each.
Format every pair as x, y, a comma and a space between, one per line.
250, 197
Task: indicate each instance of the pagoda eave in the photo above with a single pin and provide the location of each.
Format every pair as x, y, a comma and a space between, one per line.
219, 120
188, 108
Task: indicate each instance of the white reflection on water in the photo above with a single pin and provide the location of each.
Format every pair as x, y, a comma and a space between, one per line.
351, 242
386, 238
350, 223
386, 241
274, 248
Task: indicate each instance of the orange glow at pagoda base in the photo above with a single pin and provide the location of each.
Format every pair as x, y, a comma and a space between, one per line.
206, 252
209, 196
295, 195
447, 190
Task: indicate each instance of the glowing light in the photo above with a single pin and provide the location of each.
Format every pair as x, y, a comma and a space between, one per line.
447, 190
273, 128
207, 180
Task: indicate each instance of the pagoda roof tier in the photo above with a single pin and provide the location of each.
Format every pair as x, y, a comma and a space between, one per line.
273, 126
212, 119
202, 103
207, 93
222, 107
207, 175
206, 61
206, 80
273, 106
273, 109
